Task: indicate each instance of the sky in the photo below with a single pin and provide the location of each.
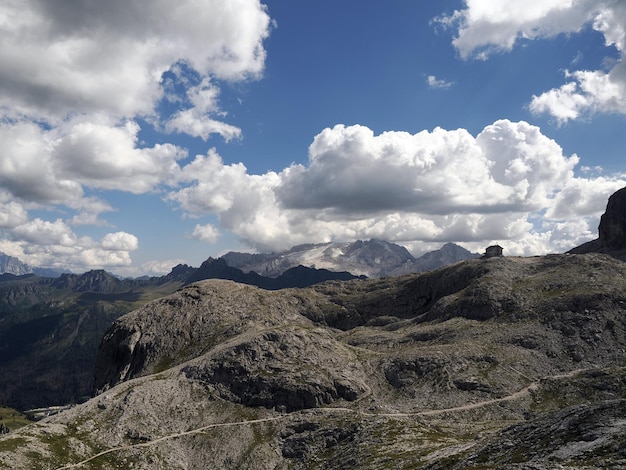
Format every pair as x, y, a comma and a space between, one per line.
136, 135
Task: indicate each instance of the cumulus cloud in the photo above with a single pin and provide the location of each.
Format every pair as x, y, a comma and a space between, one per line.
82, 57
105, 156
589, 92
119, 241
439, 186
12, 213
26, 166
206, 233
76, 80
485, 27
53, 244
53, 166
42, 232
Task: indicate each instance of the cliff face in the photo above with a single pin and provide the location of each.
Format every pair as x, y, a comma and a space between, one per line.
611, 231
12, 265
491, 363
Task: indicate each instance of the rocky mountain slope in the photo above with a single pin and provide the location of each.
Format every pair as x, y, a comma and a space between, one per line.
373, 258
491, 363
50, 329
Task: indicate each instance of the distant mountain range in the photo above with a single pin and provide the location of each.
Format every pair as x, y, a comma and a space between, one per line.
373, 258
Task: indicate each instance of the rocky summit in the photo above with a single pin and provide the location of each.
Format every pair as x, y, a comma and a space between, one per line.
611, 231
490, 363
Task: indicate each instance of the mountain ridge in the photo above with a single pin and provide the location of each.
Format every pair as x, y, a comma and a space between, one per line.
373, 258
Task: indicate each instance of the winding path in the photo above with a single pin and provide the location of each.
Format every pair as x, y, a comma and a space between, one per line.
514, 396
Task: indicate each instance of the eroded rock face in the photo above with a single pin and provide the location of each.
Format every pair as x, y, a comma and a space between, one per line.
611, 231
289, 369
186, 325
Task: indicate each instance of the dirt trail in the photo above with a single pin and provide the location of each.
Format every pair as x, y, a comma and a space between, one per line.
514, 396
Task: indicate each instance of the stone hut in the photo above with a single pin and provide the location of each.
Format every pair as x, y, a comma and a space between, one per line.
493, 251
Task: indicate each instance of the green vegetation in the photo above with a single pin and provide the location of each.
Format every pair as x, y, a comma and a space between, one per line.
13, 419
11, 444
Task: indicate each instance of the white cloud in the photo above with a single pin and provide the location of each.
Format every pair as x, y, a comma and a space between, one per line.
52, 166
582, 197
590, 92
206, 233
195, 124
89, 210
80, 57
196, 121
120, 241
12, 213
157, 268
105, 156
54, 244
507, 166
42, 232
486, 27
78, 77
27, 168
430, 187
434, 82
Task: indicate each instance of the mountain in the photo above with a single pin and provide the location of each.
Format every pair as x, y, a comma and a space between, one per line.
298, 276
448, 254
611, 231
50, 328
489, 363
373, 258
12, 265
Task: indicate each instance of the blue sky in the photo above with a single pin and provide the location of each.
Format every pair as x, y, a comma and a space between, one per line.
137, 135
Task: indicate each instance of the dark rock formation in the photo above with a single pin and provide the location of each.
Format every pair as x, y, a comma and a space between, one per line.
611, 231
92, 281
298, 276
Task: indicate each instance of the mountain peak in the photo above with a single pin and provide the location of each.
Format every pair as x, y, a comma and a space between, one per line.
12, 265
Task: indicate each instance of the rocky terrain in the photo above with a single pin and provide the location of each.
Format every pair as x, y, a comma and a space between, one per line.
490, 363
50, 327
